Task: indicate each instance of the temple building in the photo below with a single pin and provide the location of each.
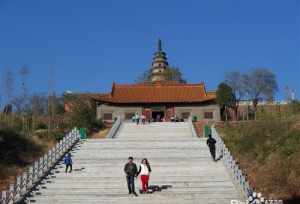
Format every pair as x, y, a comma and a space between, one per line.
158, 98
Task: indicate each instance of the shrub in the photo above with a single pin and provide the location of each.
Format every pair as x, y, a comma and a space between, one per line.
81, 115
97, 125
194, 119
41, 126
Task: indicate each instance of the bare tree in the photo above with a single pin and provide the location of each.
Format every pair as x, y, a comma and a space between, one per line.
289, 94
39, 107
174, 74
39, 104
8, 84
171, 74
260, 84
21, 102
235, 80
24, 71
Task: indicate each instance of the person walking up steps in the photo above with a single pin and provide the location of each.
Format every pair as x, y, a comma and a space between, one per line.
68, 162
130, 170
144, 170
211, 143
137, 118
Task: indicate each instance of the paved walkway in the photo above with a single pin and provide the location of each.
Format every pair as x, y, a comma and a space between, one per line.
177, 159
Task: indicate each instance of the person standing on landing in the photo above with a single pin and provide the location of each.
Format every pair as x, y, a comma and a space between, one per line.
211, 143
130, 170
145, 171
137, 118
68, 162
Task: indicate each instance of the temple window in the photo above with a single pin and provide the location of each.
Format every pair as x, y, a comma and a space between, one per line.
185, 115
98, 104
107, 116
208, 115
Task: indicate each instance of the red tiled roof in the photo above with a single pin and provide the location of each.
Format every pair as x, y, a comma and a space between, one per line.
159, 92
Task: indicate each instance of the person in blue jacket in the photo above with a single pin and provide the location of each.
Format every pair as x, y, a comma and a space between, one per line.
68, 162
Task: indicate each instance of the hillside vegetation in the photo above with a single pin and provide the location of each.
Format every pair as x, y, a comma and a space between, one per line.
18, 152
24, 138
268, 150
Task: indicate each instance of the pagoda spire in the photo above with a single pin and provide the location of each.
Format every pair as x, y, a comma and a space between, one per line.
159, 45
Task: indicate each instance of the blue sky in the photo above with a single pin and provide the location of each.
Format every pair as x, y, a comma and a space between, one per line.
92, 43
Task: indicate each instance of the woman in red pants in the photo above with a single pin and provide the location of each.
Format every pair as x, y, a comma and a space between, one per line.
144, 170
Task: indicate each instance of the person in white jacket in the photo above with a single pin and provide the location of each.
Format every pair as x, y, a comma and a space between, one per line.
145, 171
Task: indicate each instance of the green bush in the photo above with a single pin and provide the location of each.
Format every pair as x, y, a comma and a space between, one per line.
41, 126
97, 125
83, 115
194, 119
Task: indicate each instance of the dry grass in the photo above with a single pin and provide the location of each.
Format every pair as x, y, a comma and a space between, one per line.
18, 153
268, 151
101, 134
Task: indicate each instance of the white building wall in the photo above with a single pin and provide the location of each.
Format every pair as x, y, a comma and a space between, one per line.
197, 111
116, 111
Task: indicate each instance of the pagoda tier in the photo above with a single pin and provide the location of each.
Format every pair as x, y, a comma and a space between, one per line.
159, 64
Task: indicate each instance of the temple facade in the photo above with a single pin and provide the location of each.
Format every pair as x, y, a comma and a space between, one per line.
158, 98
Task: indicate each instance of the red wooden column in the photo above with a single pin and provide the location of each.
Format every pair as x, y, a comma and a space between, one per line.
170, 112
147, 113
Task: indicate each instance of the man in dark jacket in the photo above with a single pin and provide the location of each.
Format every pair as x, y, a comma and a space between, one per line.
131, 171
211, 143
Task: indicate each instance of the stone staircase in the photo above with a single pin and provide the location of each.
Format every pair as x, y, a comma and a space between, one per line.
177, 159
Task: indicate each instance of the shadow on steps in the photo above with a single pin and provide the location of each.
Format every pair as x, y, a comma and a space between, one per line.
156, 188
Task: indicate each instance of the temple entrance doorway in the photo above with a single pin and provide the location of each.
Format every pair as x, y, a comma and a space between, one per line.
157, 116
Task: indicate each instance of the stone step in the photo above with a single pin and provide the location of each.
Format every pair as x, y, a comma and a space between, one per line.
177, 159
117, 182
152, 140
108, 182
155, 198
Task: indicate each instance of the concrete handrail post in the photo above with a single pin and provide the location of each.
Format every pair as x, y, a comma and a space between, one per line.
27, 179
44, 164
56, 151
11, 193
3, 197
33, 172
38, 170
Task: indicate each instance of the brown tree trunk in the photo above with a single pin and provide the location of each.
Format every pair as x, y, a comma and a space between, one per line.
255, 103
236, 112
226, 113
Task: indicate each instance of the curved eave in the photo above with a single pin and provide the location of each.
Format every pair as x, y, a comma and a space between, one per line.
155, 102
